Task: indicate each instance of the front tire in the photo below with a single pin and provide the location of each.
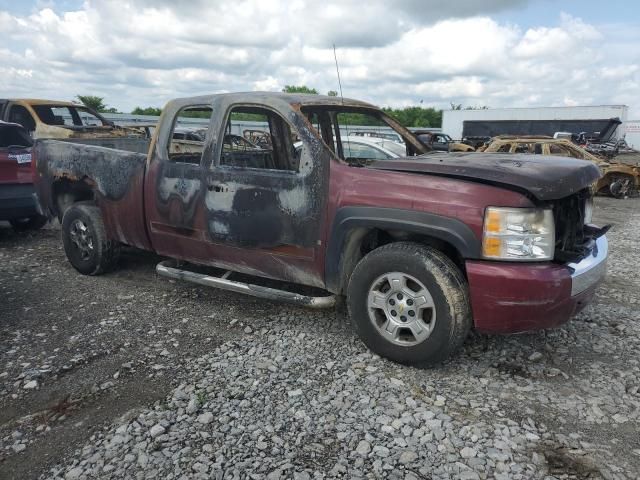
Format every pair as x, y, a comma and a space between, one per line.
409, 303
85, 241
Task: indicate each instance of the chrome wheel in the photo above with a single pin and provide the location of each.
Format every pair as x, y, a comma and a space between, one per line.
401, 309
81, 239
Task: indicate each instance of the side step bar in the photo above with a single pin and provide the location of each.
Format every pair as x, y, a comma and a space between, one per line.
167, 268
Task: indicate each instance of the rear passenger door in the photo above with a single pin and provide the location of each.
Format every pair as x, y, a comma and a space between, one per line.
174, 188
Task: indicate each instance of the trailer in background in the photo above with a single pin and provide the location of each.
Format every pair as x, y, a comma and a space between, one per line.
632, 133
530, 121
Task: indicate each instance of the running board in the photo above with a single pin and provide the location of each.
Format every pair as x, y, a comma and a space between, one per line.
167, 268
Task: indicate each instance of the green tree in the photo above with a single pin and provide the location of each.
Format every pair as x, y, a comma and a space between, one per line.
92, 101
416, 116
332, 93
299, 89
147, 111
458, 106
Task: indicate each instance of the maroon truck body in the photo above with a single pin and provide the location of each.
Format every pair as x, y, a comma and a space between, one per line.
311, 226
17, 200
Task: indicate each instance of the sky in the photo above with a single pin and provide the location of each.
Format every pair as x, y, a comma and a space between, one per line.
495, 53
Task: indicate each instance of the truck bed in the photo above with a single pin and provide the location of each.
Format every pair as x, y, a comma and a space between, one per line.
114, 179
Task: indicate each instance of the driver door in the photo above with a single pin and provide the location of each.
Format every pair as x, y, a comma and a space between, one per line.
264, 204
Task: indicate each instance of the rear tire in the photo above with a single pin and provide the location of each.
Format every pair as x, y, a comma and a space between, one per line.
409, 302
30, 223
85, 241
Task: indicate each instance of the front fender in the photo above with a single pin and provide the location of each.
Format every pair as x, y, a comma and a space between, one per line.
350, 219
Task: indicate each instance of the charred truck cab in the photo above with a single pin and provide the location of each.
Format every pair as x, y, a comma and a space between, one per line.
424, 247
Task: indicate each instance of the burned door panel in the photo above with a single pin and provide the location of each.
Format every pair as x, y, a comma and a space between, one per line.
179, 189
252, 209
270, 208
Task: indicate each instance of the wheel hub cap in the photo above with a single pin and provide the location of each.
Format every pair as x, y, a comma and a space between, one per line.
401, 308
81, 238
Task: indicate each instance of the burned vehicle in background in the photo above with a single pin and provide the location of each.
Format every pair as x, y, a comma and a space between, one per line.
424, 247
71, 122
441, 142
618, 179
18, 203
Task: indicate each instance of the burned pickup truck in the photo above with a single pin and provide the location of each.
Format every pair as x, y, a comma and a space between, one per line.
423, 247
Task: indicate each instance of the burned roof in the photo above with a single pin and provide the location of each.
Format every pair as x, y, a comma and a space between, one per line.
300, 99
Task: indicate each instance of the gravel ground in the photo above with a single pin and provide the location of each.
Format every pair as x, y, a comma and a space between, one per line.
131, 376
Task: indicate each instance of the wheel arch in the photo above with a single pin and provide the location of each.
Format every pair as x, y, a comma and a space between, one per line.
358, 230
66, 192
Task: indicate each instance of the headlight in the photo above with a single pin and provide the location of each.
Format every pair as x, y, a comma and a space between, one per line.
588, 210
521, 234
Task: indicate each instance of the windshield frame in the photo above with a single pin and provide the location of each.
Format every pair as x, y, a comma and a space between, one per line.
414, 146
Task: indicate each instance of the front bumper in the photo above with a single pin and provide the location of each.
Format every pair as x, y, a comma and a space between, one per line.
18, 200
511, 297
590, 270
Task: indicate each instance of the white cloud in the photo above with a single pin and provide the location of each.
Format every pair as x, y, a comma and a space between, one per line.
143, 53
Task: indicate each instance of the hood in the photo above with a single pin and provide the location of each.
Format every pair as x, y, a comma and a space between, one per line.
543, 177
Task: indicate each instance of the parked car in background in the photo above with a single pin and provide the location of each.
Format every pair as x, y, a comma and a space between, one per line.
364, 148
398, 148
372, 147
441, 142
393, 136
17, 200
618, 179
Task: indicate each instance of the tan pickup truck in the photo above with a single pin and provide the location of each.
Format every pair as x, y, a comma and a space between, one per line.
70, 121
